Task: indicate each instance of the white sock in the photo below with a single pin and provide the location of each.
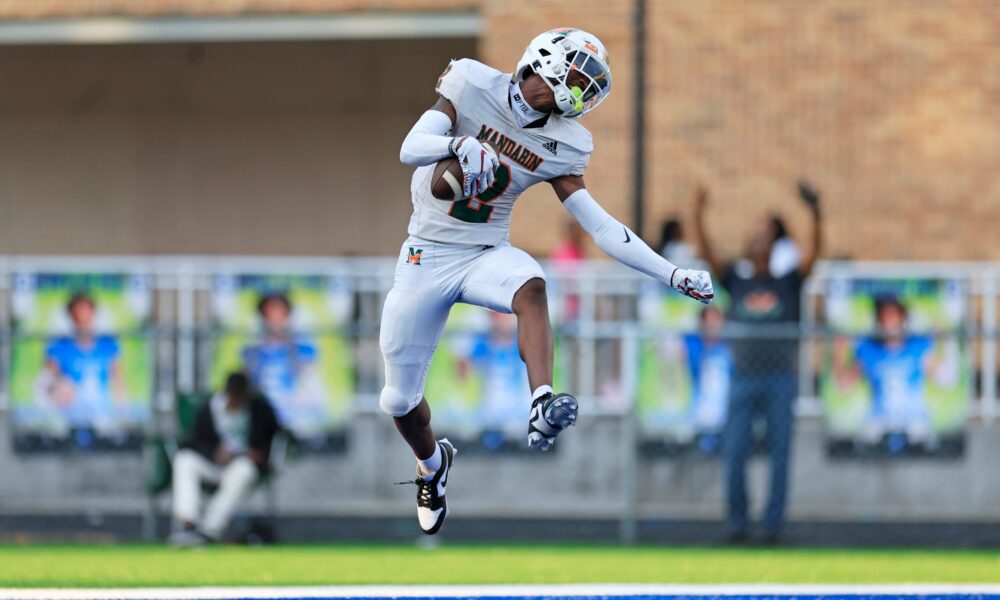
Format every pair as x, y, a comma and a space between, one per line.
429, 466
541, 391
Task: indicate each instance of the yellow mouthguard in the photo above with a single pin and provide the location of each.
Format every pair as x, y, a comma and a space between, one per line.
578, 94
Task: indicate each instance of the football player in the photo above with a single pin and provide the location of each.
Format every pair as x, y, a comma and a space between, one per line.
459, 251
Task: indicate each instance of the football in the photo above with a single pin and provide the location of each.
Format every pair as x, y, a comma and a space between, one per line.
447, 178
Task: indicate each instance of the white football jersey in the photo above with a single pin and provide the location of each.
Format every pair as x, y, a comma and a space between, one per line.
527, 156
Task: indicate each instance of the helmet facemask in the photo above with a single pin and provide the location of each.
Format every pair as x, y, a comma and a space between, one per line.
583, 86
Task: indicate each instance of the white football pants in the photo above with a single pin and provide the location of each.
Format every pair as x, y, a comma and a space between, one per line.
430, 278
235, 481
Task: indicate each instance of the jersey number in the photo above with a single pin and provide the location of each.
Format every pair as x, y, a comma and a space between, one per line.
477, 209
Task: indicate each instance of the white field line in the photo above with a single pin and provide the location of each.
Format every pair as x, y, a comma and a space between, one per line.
509, 591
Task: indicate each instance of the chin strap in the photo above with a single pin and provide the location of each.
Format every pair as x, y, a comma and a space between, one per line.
524, 114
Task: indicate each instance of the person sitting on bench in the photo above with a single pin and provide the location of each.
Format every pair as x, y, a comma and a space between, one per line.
229, 447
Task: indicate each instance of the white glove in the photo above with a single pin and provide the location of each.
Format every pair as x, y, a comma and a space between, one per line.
478, 162
693, 284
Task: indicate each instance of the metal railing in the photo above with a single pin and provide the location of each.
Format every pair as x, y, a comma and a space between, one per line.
606, 323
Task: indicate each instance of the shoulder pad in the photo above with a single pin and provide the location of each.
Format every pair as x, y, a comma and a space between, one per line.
464, 72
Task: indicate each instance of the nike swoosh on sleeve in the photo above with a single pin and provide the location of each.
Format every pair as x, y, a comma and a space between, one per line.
627, 238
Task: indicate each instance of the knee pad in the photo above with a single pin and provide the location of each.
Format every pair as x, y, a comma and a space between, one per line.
395, 403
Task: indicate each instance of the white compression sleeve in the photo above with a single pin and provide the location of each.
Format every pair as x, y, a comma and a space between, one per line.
427, 141
615, 239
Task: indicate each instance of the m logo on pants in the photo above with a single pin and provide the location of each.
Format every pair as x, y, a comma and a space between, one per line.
414, 257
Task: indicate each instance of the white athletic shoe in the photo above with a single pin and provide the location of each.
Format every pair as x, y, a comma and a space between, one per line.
550, 414
188, 538
432, 506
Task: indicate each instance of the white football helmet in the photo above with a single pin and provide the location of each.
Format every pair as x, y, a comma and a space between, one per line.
557, 55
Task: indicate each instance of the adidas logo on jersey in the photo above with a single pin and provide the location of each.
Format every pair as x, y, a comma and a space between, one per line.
551, 147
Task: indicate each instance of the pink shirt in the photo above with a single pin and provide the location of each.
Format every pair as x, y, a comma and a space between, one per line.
567, 253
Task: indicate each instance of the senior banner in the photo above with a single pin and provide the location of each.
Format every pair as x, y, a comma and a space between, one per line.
478, 385
81, 371
291, 335
896, 373
685, 372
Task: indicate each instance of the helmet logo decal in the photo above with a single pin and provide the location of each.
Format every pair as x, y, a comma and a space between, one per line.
437, 88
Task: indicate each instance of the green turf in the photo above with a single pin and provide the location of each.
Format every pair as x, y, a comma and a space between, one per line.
123, 566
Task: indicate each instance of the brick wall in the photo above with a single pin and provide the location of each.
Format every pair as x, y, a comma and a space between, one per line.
43, 9
892, 107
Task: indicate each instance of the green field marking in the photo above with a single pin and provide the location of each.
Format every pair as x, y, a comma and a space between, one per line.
139, 566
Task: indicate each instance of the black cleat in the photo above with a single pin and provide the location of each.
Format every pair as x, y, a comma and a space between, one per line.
432, 506
550, 414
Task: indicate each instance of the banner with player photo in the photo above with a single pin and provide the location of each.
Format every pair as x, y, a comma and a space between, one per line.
477, 383
289, 334
81, 367
896, 373
684, 376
